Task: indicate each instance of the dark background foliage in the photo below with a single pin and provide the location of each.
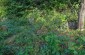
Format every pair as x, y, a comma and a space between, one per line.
40, 27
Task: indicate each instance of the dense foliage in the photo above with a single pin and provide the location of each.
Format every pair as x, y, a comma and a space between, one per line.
27, 43
39, 27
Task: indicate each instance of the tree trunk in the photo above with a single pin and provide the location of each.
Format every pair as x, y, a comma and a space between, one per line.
81, 15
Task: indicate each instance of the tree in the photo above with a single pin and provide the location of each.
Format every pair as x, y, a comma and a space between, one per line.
81, 15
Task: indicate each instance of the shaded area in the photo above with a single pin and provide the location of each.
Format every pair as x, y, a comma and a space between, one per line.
40, 27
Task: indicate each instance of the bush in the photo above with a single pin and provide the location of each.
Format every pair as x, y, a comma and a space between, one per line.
48, 44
